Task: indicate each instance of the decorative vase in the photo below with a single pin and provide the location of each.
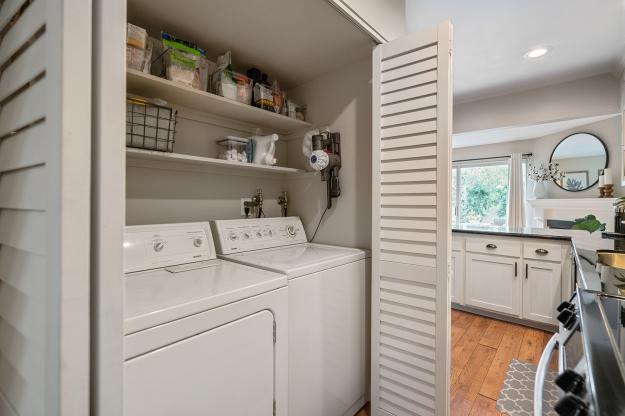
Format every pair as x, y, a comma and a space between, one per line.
540, 190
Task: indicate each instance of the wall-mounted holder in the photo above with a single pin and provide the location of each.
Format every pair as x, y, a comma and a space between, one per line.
326, 155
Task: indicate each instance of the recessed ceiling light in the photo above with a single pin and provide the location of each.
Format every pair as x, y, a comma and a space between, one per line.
537, 52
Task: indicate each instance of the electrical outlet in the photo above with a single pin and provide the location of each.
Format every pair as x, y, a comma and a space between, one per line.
243, 201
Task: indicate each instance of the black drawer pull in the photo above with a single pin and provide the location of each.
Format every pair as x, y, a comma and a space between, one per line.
527, 271
515, 269
542, 251
491, 245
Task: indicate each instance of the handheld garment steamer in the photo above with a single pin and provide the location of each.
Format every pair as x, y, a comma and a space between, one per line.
326, 158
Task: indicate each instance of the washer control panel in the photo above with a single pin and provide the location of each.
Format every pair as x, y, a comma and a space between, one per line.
236, 236
152, 246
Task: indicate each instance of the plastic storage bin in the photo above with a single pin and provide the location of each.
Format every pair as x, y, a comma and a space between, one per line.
135, 58
234, 148
150, 126
232, 85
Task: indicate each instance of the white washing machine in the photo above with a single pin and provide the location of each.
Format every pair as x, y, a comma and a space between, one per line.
327, 310
202, 336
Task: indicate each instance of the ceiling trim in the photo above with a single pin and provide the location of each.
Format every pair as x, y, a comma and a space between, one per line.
357, 20
521, 132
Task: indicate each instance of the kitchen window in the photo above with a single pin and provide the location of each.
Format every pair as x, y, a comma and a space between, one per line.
480, 192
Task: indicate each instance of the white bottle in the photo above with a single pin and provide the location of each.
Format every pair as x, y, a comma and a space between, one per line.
265, 149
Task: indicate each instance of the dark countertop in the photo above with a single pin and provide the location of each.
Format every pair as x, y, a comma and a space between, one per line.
512, 232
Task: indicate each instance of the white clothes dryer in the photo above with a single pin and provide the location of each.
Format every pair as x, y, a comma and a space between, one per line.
201, 335
328, 318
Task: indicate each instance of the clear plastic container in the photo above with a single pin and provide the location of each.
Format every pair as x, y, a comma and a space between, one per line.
263, 97
234, 148
180, 66
136, 36
232, 85
295, 110
135, 58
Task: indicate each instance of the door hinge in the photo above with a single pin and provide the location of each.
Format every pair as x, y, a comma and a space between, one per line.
274, 334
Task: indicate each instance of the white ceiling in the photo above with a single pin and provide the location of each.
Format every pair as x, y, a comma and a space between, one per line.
292, 41
525, 132
491, 37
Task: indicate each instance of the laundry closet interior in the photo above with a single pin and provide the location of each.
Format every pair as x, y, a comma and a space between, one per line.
251, 161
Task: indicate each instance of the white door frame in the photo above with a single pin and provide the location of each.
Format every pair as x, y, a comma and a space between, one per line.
68, 164
108, 205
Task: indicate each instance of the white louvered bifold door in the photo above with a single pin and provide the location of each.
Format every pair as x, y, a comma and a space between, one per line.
45, 68
412, 107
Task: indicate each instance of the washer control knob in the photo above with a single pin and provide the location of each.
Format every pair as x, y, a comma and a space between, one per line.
246, 236
259, 234
232, 236
291, 230
197, 242
159, 246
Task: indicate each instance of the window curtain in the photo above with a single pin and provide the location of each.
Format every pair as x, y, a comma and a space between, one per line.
516, 192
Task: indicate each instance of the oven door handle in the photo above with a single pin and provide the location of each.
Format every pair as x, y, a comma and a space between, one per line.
541, 374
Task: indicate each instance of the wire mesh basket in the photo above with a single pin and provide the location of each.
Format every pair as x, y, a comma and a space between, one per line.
150, 126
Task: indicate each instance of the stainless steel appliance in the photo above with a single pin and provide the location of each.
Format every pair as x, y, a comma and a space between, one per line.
590, 344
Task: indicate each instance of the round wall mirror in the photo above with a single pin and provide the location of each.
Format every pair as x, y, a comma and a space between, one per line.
581, 157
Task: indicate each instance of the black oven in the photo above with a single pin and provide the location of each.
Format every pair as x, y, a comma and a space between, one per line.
590, 345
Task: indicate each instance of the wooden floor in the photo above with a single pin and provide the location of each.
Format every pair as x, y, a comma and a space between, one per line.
481, 349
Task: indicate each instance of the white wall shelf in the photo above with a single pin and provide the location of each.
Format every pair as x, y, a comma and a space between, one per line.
152, 155
151, 86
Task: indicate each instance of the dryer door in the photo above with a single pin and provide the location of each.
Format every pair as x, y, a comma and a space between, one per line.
228, 370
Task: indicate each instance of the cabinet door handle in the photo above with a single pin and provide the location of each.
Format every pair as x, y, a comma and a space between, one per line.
527, 271
542, 251
515, 268
491, 245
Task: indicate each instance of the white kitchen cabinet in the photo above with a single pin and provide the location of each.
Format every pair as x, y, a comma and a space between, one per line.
520, 277
493, 283
542, 290
457, 277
